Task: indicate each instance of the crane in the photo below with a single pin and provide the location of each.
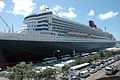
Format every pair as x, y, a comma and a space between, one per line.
5, 24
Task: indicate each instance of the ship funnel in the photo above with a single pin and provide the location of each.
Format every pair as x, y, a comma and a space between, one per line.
92, 24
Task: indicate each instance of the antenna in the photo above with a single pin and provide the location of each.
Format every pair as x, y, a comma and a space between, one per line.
105, 29
4, 30
12, 29
6, 24
45, 7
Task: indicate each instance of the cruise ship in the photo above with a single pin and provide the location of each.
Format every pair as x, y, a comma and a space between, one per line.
47, 35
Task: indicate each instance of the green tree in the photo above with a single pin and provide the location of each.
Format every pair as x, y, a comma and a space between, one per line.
108, 53
89, 58
38, 74
102, 54
96, 56
21, 71
79, 61
65, 69
48, 72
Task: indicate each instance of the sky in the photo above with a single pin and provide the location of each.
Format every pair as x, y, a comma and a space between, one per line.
105, 13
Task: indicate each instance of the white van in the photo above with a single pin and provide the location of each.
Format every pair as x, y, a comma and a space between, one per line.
84, 73
110, 69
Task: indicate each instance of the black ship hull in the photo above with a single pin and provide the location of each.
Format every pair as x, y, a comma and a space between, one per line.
12, 51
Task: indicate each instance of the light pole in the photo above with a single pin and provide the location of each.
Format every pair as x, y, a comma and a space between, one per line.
74, 48
55, 52
74, 53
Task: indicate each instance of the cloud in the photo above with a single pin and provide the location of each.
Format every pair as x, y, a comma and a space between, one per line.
2, 5
42, 7
23, 7
54, 9
107, 15
91, 13
69, 14
57, 7
58, 10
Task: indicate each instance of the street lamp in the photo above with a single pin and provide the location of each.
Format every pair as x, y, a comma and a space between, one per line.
74, 53
55, 52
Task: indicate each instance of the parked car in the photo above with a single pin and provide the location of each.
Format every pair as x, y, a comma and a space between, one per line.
75, 78
112, 60
110, 69
97, 68
116, 58
84, 73
101, 66
109, 62
63, 78
92, 70
106, 63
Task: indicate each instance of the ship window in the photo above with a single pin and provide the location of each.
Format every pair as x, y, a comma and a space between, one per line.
53, 33
43, 21
42, 25
38, 29
38, 15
